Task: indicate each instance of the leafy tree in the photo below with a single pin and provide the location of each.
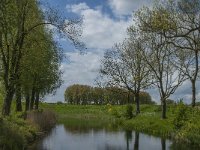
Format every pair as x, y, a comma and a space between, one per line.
178, 22
123, 66
165, 76
84, 94
18, 20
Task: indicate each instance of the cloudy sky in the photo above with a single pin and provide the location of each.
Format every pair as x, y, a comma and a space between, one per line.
105, 23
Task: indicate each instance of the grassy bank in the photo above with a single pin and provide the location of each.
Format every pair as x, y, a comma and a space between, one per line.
87, 112
182, 123
17, 133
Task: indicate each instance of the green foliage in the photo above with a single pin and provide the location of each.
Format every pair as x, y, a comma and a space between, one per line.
145, 98
59, 103
84, 94
129, 112
147, 121
15, 133
181, 116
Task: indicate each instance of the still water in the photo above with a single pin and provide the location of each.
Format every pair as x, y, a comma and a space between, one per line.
64, 137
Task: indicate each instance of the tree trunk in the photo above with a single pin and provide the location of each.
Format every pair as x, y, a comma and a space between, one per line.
37, 98
32, 99
27, 102
128, 99
193, 93
164, 108
7, 102
18, 98
137, 100
136, 143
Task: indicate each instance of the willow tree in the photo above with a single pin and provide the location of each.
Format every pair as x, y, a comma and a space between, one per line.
19, 18
40, 73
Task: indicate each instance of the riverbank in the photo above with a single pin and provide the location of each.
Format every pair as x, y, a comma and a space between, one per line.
182, 123
18, 133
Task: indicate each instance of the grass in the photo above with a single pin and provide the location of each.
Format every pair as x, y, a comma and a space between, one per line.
87, 112
17, 133
182, 123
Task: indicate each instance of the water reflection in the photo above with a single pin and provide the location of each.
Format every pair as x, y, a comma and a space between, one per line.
129, 137
163, 143
68, 137
136, 143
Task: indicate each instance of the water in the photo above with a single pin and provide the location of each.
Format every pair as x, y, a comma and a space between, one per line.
64, 137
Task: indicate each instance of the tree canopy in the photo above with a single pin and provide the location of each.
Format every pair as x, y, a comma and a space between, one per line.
84, 94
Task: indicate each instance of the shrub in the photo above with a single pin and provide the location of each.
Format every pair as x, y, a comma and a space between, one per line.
59, 103
129, 112
158, 108
181, 116
115, 113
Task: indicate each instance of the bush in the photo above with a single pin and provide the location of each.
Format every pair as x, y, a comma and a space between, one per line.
59, 103
181, 116
115, 113
158, 108
129, 112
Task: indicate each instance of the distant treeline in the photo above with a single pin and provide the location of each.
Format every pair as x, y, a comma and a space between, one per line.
84, 94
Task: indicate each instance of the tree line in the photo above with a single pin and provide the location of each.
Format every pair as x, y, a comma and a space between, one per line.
161, 51
85, 94
29, 56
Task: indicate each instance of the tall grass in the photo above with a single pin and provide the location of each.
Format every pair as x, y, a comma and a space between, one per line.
44, 120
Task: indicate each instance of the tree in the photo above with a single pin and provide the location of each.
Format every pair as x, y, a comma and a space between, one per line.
123, 66
159, 57
178, 21
19, 18
160, 52
187, 38
84, 94
40, 72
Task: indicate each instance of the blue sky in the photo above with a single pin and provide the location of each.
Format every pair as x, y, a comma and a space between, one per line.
104, 24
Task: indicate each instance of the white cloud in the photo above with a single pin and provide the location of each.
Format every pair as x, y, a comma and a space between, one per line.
100, 32
99, 29
82, 69
78, 8
126, 7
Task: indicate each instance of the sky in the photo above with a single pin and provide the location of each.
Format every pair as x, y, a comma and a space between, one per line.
104, 23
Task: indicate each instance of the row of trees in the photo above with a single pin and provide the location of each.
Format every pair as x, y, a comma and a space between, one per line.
161, 50
84, 94
29, 57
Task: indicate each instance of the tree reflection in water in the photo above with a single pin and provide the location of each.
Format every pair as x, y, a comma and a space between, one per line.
163, 143
136, 143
